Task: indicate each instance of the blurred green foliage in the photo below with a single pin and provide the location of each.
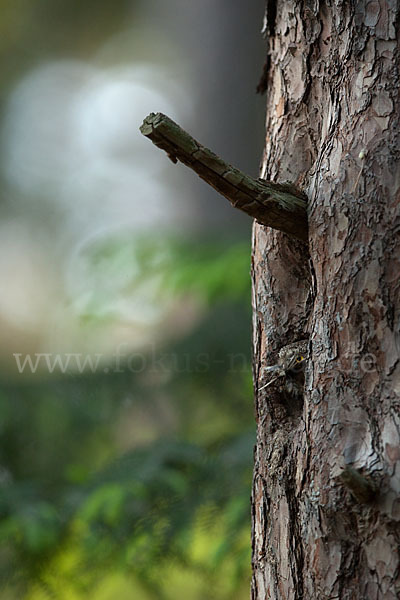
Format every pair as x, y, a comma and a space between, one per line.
138, 481
207, 269
131, 483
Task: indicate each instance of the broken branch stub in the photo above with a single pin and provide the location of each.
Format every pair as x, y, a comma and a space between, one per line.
277, 205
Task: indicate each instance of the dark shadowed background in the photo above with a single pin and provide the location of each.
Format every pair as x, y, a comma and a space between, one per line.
126, 411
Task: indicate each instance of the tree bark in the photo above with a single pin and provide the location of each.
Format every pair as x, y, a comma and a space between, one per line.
325, 502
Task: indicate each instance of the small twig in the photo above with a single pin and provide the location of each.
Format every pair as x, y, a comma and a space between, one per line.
269, 383
281, 206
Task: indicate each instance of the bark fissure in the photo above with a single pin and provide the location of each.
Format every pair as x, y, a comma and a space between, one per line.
295, 537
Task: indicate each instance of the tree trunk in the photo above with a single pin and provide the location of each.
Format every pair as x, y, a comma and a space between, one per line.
326, 506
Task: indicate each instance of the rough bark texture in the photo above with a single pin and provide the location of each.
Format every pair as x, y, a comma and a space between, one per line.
326, 505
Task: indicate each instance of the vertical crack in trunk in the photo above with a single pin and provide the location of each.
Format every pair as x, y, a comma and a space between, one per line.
295, 534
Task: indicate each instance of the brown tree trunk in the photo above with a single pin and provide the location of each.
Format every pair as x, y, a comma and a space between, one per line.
326, 504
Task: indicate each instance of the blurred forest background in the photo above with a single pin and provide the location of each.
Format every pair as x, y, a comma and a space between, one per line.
126, 411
